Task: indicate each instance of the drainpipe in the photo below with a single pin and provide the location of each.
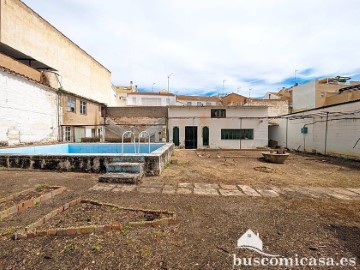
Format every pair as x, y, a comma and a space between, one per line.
326, 131
58, 116
287, 128
240, 131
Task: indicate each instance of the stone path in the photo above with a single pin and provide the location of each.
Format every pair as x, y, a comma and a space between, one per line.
203, 189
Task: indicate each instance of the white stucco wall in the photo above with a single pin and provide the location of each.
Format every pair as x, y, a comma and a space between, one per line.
150, 100
236, 118
28, 111
342, 136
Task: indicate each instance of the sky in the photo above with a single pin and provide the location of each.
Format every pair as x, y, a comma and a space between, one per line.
213, 46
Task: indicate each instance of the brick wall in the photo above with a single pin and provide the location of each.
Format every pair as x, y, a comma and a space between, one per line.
152, 112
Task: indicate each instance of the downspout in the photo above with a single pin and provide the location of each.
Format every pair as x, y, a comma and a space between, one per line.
58, 116
287, 128
240, 132
326, 131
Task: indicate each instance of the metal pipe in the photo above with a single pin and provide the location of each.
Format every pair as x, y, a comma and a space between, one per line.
326, 130
144, 132
122, 140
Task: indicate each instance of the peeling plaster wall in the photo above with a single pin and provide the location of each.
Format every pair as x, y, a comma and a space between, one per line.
28, 111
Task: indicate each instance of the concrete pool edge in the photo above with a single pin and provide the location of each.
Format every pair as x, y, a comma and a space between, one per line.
154, 163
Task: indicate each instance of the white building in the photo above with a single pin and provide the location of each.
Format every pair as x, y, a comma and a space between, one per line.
183, 100
28, 110
330, 130
150, 99
227, 127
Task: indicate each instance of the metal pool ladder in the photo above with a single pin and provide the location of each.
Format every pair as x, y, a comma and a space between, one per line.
141, 133
122, 140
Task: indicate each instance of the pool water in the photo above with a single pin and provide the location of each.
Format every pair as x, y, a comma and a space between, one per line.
84, 148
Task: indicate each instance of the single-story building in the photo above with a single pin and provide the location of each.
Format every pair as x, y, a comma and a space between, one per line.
219, 127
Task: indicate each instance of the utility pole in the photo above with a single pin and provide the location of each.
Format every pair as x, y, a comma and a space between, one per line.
169, 81
250, 92
152, 88
224, 86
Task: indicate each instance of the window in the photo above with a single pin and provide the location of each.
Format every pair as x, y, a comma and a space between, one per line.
67, 134
218, 113
208, 103
198, 103
189, 103
168, 101
82, 107
237, 134
70, 104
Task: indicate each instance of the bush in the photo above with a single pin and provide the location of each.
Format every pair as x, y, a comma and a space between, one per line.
90, 139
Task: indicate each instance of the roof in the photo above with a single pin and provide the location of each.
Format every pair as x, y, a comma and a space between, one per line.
7, 70
151, 94
198, 98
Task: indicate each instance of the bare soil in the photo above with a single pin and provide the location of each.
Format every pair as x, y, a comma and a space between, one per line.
85, 214
207, 228
248, 167
25, 196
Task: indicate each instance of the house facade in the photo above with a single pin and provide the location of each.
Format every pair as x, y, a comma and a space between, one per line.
225, 127
81, 118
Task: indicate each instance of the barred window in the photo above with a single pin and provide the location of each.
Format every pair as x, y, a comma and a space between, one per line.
218, 113
237, 134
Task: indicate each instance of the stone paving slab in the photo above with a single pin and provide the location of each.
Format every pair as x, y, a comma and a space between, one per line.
231, 192
169, 189
249, 191
185, 185
206, 191
356, 190
229, 187
182, 190
149, 190
267, 193
345, 192
206, 186
151, 184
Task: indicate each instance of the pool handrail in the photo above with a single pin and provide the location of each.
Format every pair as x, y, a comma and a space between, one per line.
122, 140
139, 141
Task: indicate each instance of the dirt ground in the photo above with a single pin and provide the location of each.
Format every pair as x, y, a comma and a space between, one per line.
247, 167
207, 228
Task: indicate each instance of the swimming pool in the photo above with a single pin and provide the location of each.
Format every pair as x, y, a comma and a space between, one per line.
85, 148
87, 157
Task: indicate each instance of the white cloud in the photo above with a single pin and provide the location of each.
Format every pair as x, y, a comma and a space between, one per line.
206, 42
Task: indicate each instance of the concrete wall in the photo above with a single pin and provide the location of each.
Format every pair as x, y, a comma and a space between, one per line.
236, 118
28, 111
342, 137
304, 96
154, 112
25, 31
